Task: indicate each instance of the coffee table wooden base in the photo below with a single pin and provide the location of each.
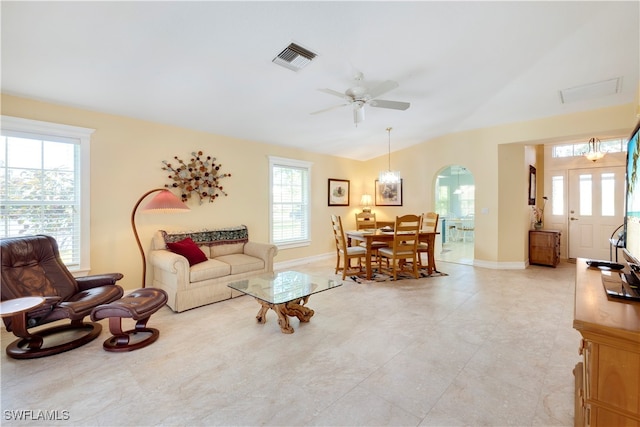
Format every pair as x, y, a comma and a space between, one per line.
292, 308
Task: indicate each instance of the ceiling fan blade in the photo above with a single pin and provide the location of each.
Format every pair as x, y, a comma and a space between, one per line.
383, 88
335, 93
329, 109
394, 105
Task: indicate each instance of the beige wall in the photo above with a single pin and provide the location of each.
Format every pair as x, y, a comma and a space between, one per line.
126, 161
127, 154
499, 162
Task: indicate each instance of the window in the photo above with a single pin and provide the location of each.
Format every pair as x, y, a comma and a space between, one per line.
557, 195
44, 185
586, 188
290, 191
614, 145
608, 192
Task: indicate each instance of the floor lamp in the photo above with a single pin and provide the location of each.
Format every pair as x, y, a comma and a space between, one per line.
164, 201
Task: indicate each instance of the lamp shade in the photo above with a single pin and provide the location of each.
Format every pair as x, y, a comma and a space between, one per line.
365, 200
165, 201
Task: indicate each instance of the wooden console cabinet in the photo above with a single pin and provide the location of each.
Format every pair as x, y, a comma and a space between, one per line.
608, 377
544, 247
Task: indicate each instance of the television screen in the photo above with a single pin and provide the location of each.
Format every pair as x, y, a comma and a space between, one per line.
632, 215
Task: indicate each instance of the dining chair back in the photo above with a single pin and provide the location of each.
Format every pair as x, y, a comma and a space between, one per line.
468, 228
366, 221
429, 223
344, 252
403, 254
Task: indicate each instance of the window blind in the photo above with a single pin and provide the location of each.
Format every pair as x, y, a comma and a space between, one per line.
40, 189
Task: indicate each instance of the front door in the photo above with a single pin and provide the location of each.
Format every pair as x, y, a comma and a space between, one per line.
596, 209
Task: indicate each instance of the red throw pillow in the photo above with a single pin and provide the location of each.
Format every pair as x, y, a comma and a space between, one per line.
188, 249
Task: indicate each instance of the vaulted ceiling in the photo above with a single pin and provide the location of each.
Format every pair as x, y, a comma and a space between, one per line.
208, 65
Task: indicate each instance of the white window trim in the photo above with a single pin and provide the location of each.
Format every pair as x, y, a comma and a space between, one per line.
17, 124
273, 160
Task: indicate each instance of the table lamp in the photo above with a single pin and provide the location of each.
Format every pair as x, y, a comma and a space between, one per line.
365, 202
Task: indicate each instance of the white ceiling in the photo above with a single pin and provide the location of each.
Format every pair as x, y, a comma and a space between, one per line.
207, 65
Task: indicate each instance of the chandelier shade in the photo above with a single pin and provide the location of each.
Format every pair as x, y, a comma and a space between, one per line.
389, 176
594, 154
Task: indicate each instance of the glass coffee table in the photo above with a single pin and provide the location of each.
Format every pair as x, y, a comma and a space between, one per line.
286, 293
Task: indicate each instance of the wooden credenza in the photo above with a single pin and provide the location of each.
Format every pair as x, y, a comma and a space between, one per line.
544, 247
608, 377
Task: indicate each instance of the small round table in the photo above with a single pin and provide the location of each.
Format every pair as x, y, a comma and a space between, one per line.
17, 309
16, 306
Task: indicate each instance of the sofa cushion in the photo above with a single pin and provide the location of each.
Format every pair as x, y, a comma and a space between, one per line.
188, 249
241, 263
210, 269
221, 250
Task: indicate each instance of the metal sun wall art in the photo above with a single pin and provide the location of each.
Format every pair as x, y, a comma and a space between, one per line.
200, 176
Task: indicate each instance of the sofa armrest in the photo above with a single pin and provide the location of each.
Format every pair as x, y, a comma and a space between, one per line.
172, 263
264, 251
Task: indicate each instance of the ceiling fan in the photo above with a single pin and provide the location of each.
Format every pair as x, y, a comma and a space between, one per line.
360, 95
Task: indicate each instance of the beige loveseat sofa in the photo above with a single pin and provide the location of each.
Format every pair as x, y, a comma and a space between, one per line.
231, 256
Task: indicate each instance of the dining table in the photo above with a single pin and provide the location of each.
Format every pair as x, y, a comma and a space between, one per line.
368, 237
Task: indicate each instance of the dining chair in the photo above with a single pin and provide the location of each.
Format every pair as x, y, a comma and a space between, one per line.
468, 227
367, 221
403, 253
429, 223
344, 252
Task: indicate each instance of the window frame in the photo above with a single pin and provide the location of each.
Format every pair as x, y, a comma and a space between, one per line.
299, 164
28, 128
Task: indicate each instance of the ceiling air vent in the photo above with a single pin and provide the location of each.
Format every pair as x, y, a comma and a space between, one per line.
294, 57
591, 90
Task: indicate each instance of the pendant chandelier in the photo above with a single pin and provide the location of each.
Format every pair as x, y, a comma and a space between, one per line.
458, 190
594, 154
389, 176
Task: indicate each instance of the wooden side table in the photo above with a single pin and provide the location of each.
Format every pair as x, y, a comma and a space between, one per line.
544, 247
17, 309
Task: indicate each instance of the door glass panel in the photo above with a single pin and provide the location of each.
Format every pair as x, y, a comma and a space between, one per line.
585, 195
608, 194
557, 195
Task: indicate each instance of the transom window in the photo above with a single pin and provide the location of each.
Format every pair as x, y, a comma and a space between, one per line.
615, 145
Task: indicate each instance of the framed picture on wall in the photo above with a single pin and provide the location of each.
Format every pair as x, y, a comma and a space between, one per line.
388, 194
532, 185
338, 192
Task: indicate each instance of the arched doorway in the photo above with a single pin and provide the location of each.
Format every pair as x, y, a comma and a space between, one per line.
455, 202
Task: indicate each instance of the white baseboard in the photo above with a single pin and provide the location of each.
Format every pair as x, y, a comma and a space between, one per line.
517, 265
284, 265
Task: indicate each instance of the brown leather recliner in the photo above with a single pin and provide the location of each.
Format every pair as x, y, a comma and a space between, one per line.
31, 266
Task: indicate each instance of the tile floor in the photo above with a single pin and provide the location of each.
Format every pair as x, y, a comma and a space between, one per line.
479, 347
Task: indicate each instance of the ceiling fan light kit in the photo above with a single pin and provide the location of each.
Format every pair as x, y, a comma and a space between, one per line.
359, 96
